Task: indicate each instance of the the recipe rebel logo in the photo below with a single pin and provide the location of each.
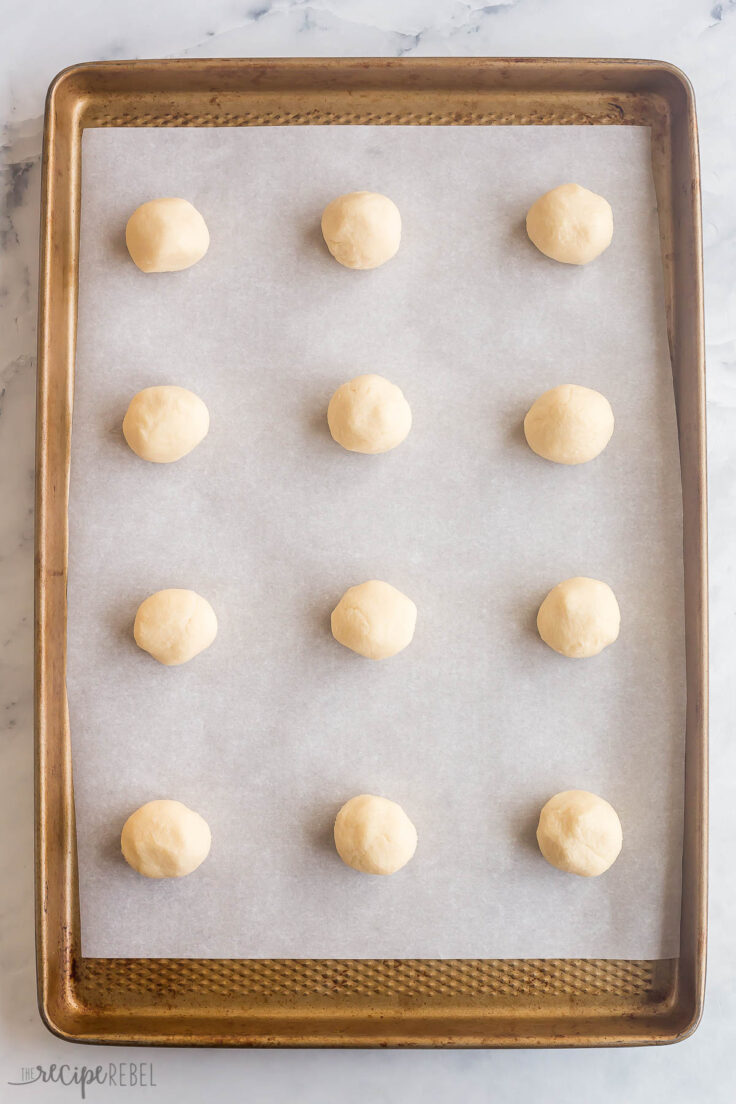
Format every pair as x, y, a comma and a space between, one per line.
116, 1075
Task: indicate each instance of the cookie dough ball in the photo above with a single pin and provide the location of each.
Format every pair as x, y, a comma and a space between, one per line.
165, 839
374, 619
369, 414
362, 229
166, 235
580, 833
374, 835
570, 224
569, 424
174, 626
579, 618
163, 424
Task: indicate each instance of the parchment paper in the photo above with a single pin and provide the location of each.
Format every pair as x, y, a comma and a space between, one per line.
476, 724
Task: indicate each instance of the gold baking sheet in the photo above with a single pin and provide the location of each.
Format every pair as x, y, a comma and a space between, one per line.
366, 1002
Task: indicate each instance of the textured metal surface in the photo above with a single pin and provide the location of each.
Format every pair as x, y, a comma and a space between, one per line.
345, 1002
364, 118
413, 978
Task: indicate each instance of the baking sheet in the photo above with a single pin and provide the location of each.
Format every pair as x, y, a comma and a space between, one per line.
475, 725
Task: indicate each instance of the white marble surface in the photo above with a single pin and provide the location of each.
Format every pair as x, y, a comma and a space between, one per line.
39, 38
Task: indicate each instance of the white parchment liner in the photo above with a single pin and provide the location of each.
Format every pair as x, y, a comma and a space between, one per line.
475, 725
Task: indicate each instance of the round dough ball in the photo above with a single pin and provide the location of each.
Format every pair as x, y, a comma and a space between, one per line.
374, 835
580, 833
163, 424
165, 839
579, 618
569, 424
166, 235
570, 224
362, 229
374, 619
369, 414
174, 626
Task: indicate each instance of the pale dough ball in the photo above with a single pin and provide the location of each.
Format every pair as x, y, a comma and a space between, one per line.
166, 235
569, 424
580, 833
579, 618
374, 835
374, 619
369, 414
163, 424
174, 626
570, 224
165, 839
362, 229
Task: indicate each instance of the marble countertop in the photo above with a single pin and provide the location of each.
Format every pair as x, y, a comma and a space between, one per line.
40, 38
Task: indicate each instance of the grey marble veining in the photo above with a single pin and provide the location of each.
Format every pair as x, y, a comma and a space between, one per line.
42, 36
